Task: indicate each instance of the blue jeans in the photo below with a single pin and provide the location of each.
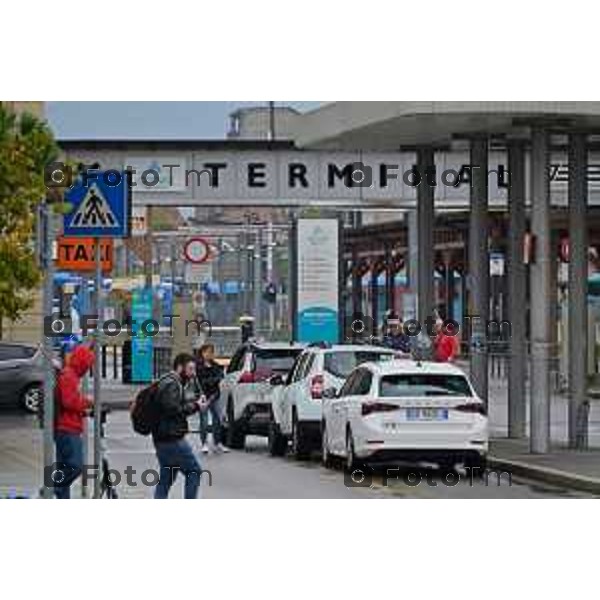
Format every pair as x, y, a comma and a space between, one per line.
69, 457
214, 408
172, 458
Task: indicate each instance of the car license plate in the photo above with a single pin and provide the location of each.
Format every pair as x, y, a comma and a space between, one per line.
426, 414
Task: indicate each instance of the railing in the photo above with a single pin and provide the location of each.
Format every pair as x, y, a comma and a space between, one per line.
112, 367
499, 364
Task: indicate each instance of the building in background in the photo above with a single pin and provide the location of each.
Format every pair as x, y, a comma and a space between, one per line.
256, 122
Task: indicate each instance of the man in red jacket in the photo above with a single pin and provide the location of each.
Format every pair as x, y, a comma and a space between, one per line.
446, 347
71, 408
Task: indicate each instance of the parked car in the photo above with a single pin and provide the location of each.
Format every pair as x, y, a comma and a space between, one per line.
405, 410
246, 387
297, 403
21, 375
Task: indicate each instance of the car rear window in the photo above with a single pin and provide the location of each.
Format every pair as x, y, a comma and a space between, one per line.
425, 385
341, 364
279, 361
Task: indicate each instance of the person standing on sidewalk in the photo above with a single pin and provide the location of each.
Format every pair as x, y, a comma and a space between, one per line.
173, 452
446, 347
71, 408
209, 374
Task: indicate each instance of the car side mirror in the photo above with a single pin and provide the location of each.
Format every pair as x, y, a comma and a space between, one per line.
330, 393
276, 380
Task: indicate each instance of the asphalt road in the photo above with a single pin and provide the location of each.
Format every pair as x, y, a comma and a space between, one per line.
251, 473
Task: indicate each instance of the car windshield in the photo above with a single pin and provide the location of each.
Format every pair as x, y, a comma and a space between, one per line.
275, 361
425, 385
341, 364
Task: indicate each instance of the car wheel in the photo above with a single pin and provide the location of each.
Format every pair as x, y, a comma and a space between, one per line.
476, 465
236, 438
277, 442
31, 398
300, 448
326, 456
350, 452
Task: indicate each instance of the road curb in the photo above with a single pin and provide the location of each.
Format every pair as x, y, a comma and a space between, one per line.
547, 475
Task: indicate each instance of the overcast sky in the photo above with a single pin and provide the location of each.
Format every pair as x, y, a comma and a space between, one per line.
156, 120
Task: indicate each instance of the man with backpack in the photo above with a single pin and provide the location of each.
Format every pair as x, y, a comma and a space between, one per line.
170, 414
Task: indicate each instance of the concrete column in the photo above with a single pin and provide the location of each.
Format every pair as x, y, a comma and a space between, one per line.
517, 292
577, 336
425, 226
479, 266
541, 297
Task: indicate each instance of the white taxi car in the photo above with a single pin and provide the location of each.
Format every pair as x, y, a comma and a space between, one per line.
296, 405
405, 410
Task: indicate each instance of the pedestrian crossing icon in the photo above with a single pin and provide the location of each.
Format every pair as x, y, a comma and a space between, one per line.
94, 211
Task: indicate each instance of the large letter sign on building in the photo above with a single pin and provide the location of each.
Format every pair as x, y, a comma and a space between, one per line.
317, 285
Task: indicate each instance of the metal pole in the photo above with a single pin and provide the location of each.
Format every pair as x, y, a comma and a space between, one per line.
577, 336
271, 120
425, 227
292, 291
47, 232
85, 310
517, 292
479, 266
257, 282
270, 278
98, 373
148, 269
540, 293
241, 280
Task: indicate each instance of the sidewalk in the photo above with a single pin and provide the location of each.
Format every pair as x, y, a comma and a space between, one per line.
561, 467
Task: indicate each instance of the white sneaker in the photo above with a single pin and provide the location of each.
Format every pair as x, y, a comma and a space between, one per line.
205, 449
221, 448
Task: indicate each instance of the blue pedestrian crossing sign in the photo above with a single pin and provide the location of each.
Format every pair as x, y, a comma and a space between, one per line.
100, 208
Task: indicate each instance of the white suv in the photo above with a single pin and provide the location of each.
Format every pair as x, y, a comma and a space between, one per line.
246, 387
405, 410
296, 404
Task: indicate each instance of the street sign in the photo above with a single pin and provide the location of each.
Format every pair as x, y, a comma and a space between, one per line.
139, 221
197, 250
141, 344
78, 254
496, 264
100, 209
198, 272
317, 281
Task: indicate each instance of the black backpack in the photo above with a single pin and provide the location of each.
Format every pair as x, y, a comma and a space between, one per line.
144, 409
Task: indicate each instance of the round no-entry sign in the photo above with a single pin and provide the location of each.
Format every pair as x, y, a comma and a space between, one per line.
197, 250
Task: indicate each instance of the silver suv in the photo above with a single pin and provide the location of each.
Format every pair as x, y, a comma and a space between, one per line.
245, 390
296, 403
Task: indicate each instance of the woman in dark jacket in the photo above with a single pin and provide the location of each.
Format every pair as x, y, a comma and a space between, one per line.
209, 374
